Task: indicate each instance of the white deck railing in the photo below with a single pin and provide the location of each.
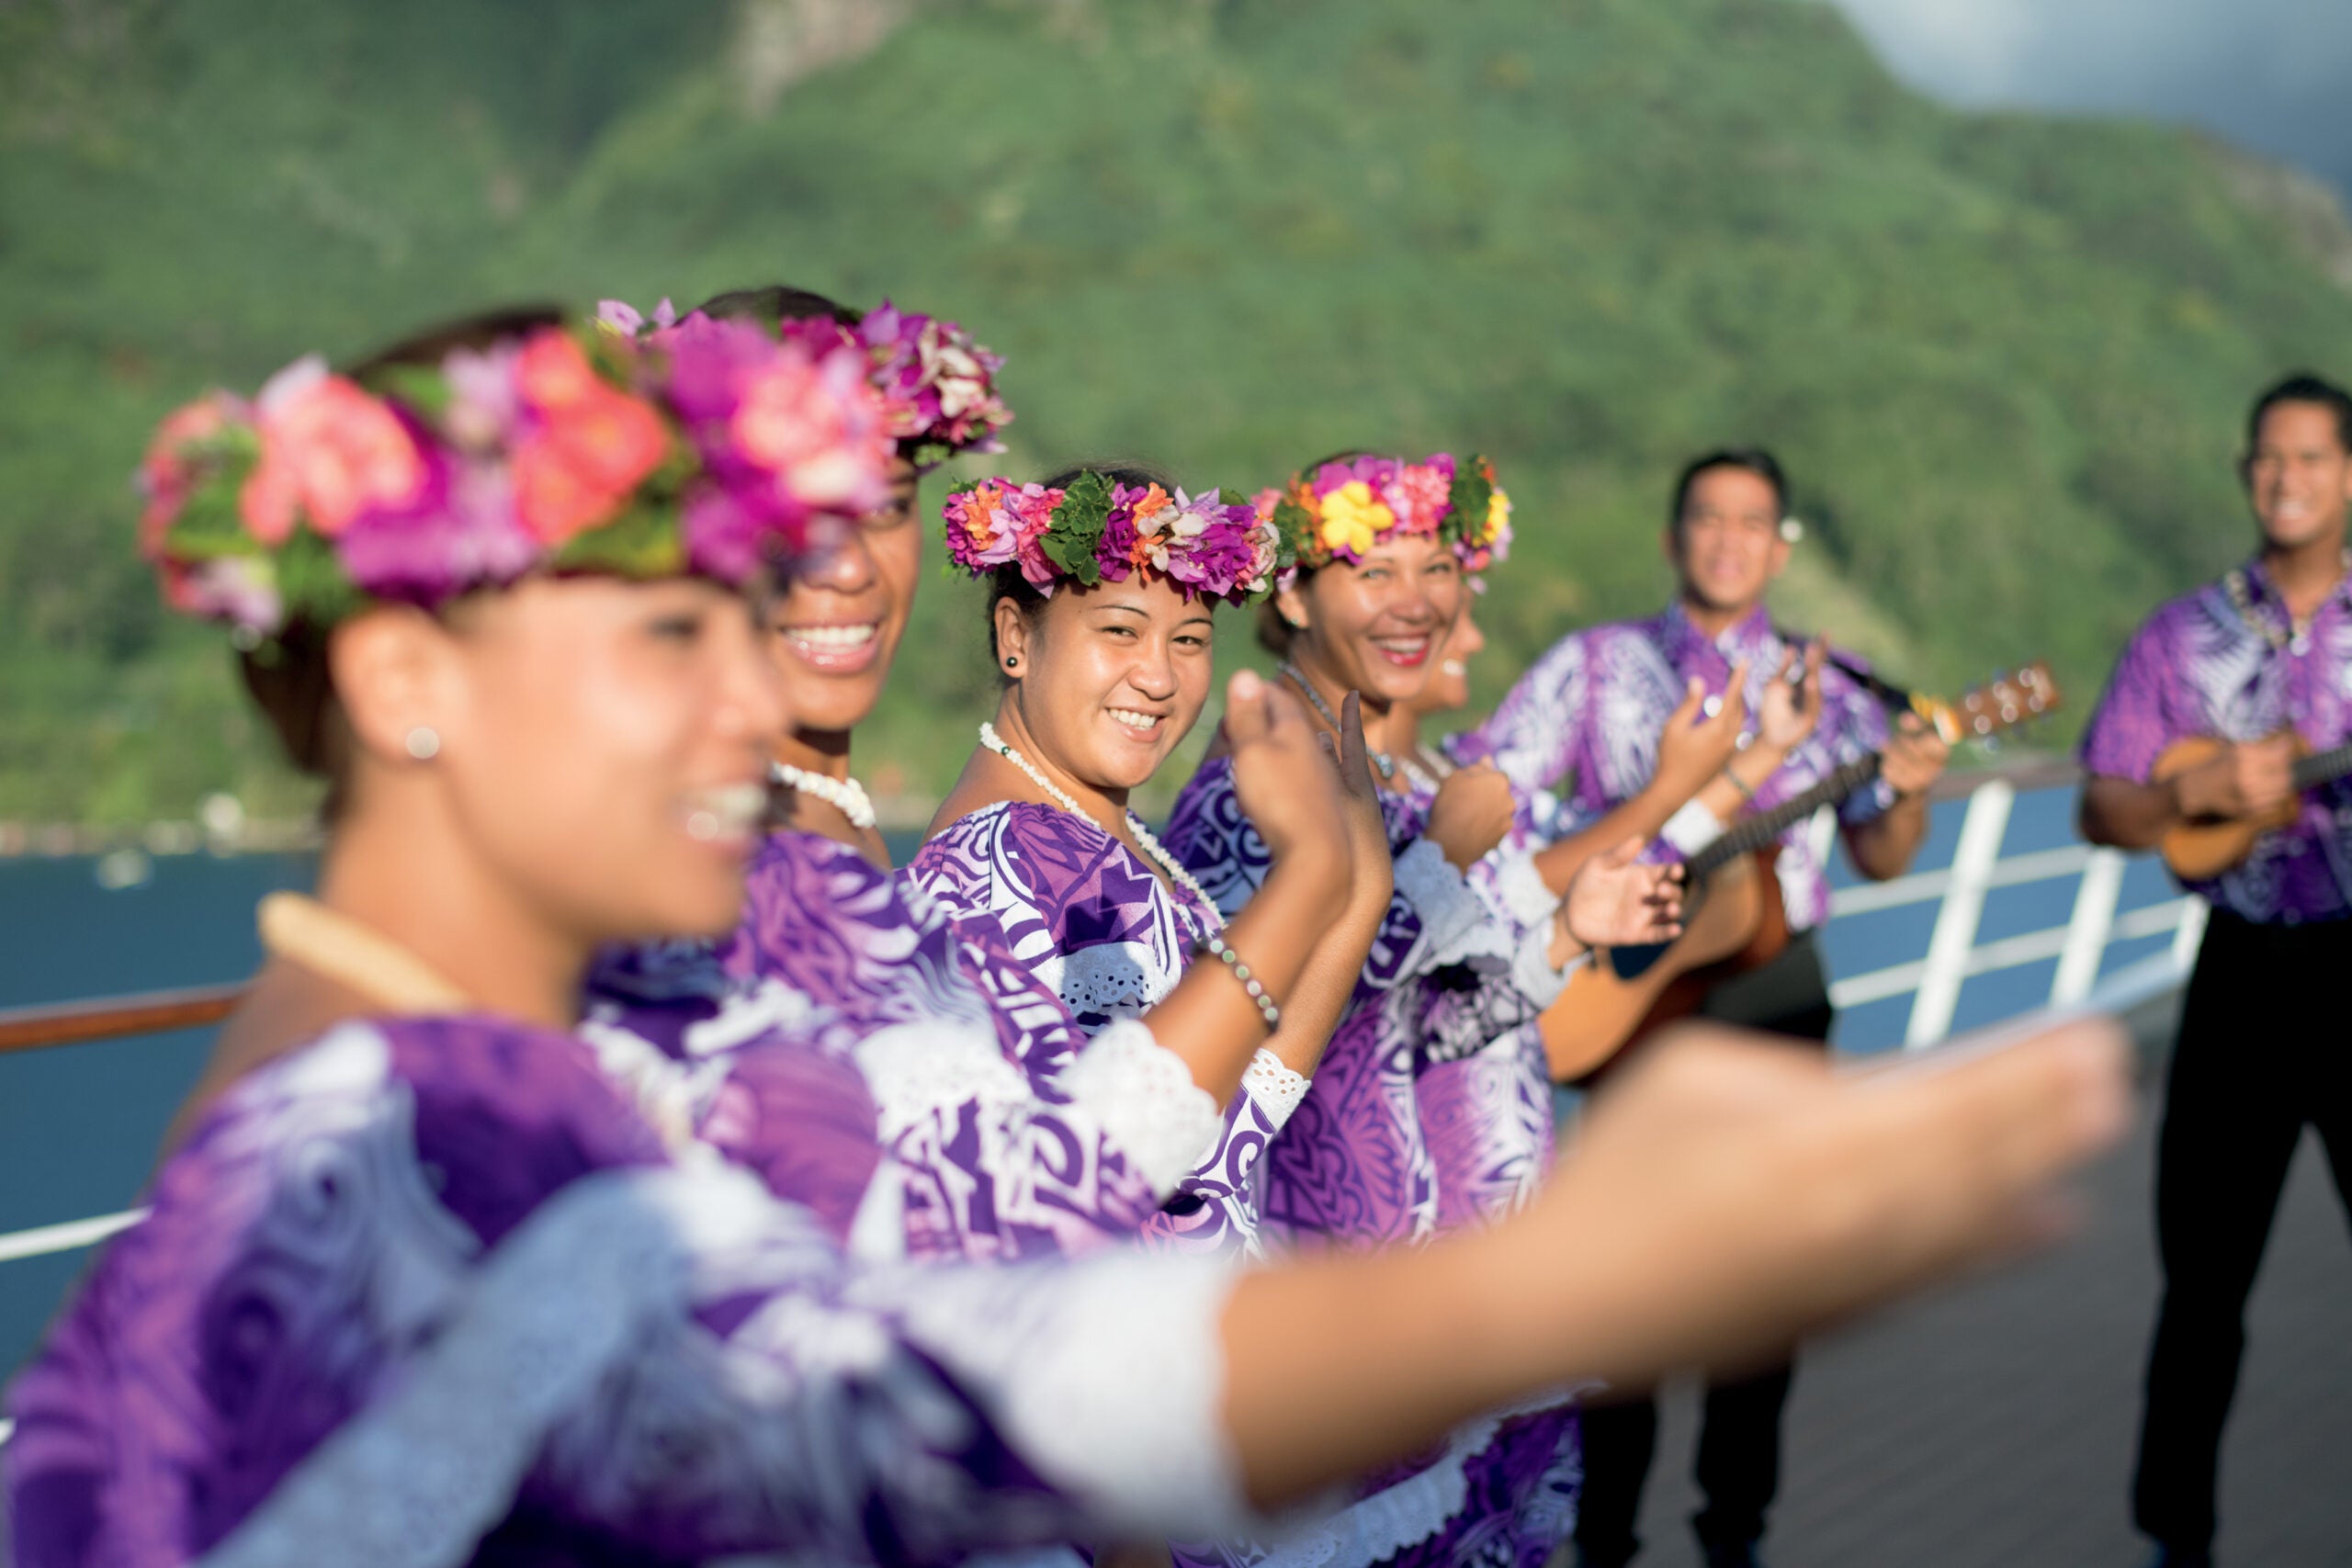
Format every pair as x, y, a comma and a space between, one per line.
1955, 954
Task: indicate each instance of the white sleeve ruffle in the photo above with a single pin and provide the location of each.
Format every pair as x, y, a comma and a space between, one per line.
1143, 1096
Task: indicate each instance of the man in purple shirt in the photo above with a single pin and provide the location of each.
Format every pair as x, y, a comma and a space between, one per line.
2255, 660
1596, 709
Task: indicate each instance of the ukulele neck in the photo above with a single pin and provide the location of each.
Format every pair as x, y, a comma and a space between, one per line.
2323, 767
1752, 833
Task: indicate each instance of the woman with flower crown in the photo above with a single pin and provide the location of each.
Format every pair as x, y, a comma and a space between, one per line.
1103, 585
419, 1285
1001, 1139
1427, 1114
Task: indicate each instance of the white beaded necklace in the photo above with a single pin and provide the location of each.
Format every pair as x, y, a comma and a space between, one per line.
1422, 778
1143, 836
846, 796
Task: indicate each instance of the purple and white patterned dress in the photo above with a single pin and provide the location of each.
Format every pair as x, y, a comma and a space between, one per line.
1363, 1161
1074, 904
1004, 1130
430, 1291
1592, 708
2198, 667
1480, 1071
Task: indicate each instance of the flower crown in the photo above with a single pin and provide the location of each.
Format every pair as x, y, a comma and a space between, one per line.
1343, 509
558, 450
938, 385
1212, 545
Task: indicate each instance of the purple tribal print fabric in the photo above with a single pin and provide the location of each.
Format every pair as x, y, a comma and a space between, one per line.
431, 1291
2197, 668
1589, 713
1002, 1139
1074, 905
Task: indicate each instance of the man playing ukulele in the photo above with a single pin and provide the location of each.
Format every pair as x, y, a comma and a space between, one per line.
1617, 705
2256, 660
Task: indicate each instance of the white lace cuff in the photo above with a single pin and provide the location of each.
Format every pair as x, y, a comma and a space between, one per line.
1521, 889
1144, 1097
1274, 1085
1531, 971
1691, 828
1454, 918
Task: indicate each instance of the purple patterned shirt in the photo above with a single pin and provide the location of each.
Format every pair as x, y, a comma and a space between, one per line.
431, 1290
2197, 668
1594, 706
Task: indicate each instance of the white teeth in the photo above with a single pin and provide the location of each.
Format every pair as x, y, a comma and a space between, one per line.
833, 638
724, 809
1137, 721
1454, 667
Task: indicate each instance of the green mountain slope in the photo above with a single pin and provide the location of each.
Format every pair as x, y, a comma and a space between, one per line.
2004, 356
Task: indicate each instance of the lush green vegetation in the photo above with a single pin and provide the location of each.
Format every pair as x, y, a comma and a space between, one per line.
2005, 356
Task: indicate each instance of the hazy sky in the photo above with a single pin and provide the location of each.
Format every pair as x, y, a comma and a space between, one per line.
2275, 76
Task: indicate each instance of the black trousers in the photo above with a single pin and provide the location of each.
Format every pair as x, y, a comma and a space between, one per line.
1738, 1465
2261, 1052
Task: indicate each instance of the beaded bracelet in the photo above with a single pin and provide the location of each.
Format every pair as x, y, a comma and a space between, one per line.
1217, 945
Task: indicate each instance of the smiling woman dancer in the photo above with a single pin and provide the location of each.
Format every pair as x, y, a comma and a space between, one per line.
1001, 1141
1101, 586
1381, 547
420, 1286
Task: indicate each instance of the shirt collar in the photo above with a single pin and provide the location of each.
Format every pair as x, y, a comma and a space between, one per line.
1748, 637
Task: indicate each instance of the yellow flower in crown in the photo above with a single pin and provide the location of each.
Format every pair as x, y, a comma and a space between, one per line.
1354, 518
1498, 515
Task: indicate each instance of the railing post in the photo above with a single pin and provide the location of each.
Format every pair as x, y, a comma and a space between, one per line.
2087, 929
2185, 941
1946, 966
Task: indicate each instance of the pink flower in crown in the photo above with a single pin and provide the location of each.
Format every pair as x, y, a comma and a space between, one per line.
590, 444
815, 425
329, 451
1421, 490
983, 528
242, 590
485, 408
936, 382
625, 320
1031, 524
168, 472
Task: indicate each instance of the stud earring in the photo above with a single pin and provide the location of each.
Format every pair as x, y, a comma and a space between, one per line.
1012, 662
425, 743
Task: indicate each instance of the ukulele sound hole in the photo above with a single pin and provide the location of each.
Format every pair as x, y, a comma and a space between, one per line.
1632, 963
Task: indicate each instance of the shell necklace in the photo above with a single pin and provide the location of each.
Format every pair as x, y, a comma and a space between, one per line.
2298, 637
1143, 836
1426, 779
1381, 760
846, 796
363, 961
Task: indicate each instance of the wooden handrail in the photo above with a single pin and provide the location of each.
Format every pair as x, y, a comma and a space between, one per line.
150, 1013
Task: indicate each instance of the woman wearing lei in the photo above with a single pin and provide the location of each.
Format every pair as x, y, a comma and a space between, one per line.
420, 1286
1002, 1139
1102, 584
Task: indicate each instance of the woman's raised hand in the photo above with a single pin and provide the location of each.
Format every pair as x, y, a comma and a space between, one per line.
1614, 900
1471, 814
1282, 779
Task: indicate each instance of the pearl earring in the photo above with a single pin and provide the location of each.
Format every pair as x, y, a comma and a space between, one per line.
425, 743
1013, 662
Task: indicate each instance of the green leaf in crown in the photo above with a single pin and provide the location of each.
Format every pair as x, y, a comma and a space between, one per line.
1076, 532
311, 582
1472, 493
644, 541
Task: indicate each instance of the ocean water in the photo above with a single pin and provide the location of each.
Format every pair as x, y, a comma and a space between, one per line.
79, 1125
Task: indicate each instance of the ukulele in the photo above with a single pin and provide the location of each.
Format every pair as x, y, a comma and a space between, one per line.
2202, 847
1734, 919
